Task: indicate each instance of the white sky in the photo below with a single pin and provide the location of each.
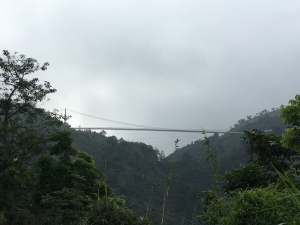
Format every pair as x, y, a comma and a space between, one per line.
174, 64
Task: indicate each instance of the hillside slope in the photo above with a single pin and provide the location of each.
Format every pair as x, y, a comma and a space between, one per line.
138, 171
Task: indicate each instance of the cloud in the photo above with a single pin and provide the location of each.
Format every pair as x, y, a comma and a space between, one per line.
161, 63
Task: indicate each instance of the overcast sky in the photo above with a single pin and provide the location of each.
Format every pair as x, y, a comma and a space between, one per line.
174, 64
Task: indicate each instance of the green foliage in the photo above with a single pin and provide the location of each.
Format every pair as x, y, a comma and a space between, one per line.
167, 181
266, 150
53, 176
290, 182
134, 168
84, 166
290, 114
72, 207
264, 206
62, 145
246, 177
15, 87
79, 197
215, 210
268, 204
131, 168
291, 138
43, 179
24, 130
67, 206
212, 158
260, 206
113, 211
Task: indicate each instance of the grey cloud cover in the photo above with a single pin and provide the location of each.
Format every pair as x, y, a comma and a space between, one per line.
177, 64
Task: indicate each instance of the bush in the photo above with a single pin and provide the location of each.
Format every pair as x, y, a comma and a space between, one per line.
215, 209
246, 177
264, 206
259, 206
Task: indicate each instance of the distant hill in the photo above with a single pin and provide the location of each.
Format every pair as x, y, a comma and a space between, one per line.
137, 170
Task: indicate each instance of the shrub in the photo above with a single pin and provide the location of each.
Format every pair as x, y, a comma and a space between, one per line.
259, 206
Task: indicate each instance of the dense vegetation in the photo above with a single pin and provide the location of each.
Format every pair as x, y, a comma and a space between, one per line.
266, 190
43, 178
139, 172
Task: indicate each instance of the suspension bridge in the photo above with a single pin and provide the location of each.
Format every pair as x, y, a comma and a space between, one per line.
75, 123
158, 137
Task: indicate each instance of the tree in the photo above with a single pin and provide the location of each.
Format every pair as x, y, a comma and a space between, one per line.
43, 179
64, 189
250, 202
261, 206
21, 121
23, 128
291, 116
266, 150
246, 177
241, 121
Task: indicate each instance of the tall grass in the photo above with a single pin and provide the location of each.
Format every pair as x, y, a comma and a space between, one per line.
290, 185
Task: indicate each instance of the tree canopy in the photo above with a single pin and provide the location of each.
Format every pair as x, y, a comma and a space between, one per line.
254, 194
43, 178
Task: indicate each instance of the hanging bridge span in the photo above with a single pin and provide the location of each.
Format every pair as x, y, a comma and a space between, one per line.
155, 129
76, 122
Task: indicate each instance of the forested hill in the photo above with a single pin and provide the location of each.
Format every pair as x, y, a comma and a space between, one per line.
231, 142
139, 172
